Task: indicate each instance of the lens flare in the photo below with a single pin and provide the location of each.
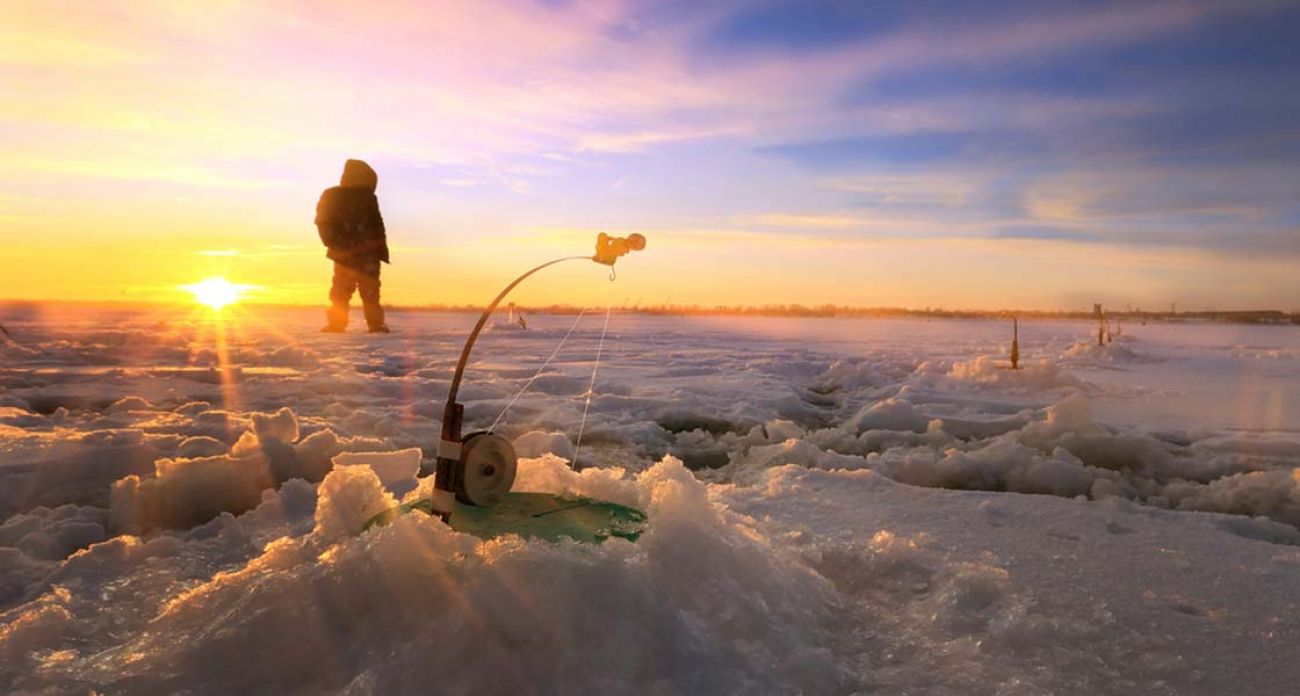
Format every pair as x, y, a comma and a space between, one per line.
216, 292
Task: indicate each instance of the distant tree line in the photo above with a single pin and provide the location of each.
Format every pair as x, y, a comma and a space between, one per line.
1266, 316
1260, 316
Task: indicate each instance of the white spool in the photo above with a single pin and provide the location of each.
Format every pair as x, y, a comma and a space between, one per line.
487, 469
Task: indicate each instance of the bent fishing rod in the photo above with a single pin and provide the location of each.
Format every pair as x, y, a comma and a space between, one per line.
479, 469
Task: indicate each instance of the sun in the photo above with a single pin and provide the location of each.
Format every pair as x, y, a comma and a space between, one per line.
216, 292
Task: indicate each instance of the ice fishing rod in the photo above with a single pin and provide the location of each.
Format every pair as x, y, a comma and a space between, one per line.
478, 469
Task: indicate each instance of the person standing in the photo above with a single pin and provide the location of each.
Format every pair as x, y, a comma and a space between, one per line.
352, 230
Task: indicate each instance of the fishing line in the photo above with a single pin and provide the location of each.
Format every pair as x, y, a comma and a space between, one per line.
462, 460
591, 388
537, 374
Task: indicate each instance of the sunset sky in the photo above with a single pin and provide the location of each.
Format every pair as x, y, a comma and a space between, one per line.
981, 155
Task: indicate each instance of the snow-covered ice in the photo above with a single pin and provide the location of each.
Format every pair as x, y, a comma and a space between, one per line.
835, 506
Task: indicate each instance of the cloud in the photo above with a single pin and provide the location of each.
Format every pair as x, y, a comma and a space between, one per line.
801, 25
543, 77
1246, 194
931, 189
639, 141
1138, 123
1040, 233
805, 221
919, 148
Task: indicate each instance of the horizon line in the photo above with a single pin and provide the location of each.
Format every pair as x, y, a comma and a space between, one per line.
824, 310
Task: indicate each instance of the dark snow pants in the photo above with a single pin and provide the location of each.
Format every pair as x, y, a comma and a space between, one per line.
363, 276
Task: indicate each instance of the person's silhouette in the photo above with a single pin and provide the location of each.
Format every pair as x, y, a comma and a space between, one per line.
350, 226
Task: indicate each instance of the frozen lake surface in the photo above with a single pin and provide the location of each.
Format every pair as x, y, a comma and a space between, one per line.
836, 506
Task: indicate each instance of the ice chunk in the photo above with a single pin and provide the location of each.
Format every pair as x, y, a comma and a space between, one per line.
200, 446
39, 626
349, 497
1273, 494
292, 356
890, 414
846, 374
551, 474
535, 443
281, 425
1033, 376
396, 470
187, 492
129, 404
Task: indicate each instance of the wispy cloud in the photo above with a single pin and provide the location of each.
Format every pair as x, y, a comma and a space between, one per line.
1134, 125
914, 190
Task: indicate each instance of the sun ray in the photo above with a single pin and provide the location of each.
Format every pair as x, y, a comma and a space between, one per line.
218, 294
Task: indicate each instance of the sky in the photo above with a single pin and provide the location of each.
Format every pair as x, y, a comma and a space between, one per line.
1037, 155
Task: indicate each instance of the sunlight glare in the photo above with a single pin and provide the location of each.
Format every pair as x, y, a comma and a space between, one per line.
215, 292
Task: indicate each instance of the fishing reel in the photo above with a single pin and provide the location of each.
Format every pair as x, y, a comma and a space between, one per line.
479, 469
486, 469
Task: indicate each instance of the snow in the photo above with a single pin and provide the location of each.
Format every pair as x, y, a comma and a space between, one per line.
187, 492
890, 414
835, 506
350, 496
535, 443
395, 470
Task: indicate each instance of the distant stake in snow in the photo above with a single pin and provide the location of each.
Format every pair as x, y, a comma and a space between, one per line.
215, 292
1015, 343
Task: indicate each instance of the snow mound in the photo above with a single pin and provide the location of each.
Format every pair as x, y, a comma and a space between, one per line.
536, 443
192, 408
504, 327
292, 356
200, 446
54, 534
391, 365
406, 607
37, 625
1272, 494
188, 492
1111, 353
890, 414
281, 425
348, 498
559, 384
395, 470
130, 404
1033, 376
1069, 424
852, 375
750, 466
315, 453
551, 474
1064, 453
1002, 466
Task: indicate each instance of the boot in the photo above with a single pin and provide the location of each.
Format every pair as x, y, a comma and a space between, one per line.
336, 318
